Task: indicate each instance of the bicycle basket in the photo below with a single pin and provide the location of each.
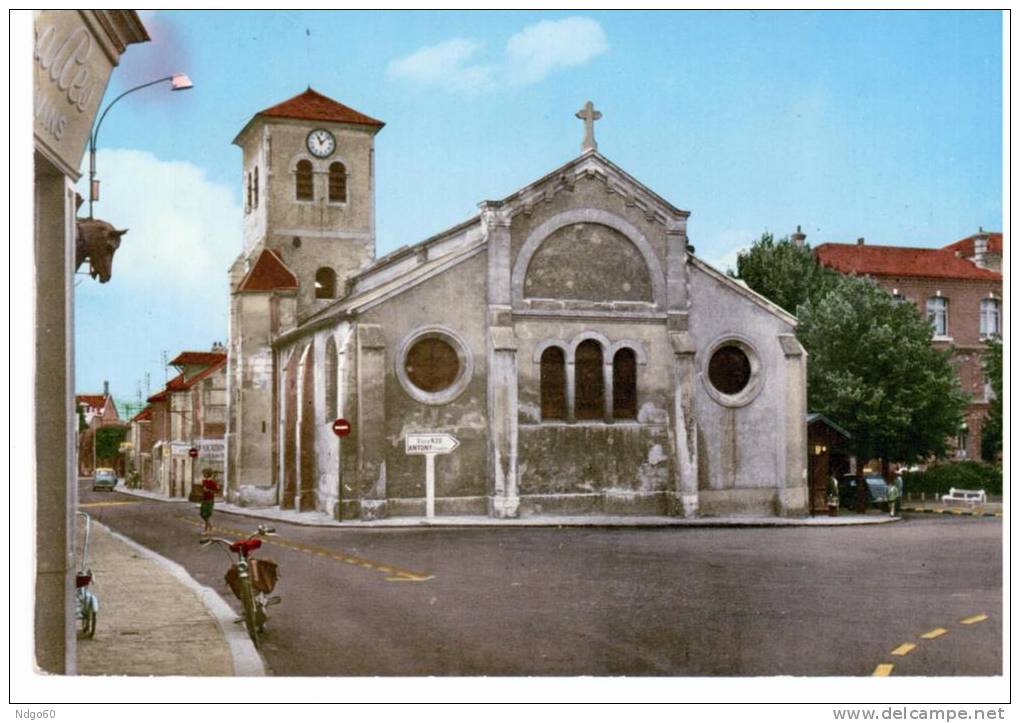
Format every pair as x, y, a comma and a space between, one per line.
264, 574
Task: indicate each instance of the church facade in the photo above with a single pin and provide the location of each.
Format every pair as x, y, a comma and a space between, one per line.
566, 337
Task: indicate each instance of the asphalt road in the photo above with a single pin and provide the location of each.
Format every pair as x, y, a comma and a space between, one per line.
600, 601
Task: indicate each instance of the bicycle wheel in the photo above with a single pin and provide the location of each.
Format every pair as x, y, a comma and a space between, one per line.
248, 601
88, 621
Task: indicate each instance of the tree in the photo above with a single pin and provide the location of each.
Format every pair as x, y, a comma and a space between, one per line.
872, 367
991, 432
783, 272
108, 441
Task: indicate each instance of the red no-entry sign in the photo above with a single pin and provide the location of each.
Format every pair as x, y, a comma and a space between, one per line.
341, 427
193, 452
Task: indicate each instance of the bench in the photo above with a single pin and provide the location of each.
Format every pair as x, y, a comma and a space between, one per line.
970, 497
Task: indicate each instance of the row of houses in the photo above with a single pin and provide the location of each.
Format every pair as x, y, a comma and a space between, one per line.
189, 413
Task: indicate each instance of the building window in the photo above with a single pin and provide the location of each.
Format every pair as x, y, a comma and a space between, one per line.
434, 365
247, 204
303, 188
255, 188
898, 298
938, 315
337, 183
325, 283
729, 369
331, 380
625, 384
989, 317
961, 442
553, 383
589, 386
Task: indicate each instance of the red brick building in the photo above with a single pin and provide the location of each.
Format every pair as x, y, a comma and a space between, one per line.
958, 287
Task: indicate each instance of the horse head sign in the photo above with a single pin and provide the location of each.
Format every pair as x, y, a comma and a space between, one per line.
96, 241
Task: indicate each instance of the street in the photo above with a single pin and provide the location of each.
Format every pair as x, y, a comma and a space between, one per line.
599, 601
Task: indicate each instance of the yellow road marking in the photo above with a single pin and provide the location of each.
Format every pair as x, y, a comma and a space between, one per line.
903, 649
105, 504
974, 619
400, 575
932, 634
883, 670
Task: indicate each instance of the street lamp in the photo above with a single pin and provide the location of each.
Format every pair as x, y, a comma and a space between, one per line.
178, 81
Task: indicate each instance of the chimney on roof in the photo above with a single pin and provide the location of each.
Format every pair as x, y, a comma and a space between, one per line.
217, 346
106, 388
980, 246
860, 241
798, 238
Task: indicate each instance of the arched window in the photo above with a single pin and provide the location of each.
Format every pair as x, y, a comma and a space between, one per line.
247, 205
989, 317
938, 315
255, 187
303, 181
553, 383
331, 380
625, 384
325, 283
589, 389
337, 183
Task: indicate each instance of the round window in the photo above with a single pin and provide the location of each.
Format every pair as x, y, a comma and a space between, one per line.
729, 369
434, 365
431, 364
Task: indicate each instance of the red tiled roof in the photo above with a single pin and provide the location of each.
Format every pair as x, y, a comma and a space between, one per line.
203, 358
159, 396
205, 372
268, 273
143, 416
966, 245
176, 384
311, 105
92, 400
899, 261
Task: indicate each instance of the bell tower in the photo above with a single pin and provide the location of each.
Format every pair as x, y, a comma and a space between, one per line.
308, 189
308, 179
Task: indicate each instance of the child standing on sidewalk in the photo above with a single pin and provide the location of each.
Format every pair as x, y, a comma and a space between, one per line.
209, 489
892, 496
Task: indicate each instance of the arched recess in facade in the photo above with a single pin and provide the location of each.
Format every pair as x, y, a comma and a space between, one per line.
306, 500
289, 491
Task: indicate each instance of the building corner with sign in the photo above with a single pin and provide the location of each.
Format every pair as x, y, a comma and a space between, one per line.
74, 53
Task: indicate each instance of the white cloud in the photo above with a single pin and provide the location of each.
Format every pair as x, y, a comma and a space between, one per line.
550, 45
444, 65
183, 228
530, 56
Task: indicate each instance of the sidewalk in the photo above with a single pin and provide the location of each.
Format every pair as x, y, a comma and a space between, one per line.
154, 619
320, 519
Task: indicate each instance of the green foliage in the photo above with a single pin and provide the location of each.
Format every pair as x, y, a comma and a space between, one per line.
82, 426
784, 273
991, 431
967, 474
871, 367
108, 441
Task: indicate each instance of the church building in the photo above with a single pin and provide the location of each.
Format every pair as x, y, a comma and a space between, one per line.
561, 352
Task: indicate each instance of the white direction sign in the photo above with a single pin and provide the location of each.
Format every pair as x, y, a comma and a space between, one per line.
439, 443
430, 445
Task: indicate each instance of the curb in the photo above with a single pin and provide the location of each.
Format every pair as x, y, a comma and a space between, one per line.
961, 513
246, 659
417, 523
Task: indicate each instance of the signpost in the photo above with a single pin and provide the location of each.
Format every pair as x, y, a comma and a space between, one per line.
341, 427
193, 452
430, 445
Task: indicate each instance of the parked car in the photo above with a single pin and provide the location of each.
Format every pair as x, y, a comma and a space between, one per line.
878, 490
104, 479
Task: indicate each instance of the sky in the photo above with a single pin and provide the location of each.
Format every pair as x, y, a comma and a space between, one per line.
882, 125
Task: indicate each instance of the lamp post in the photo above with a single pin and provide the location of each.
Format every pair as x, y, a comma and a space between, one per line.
178, 81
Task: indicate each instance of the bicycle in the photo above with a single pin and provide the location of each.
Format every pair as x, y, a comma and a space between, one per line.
86, 602
250, 579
